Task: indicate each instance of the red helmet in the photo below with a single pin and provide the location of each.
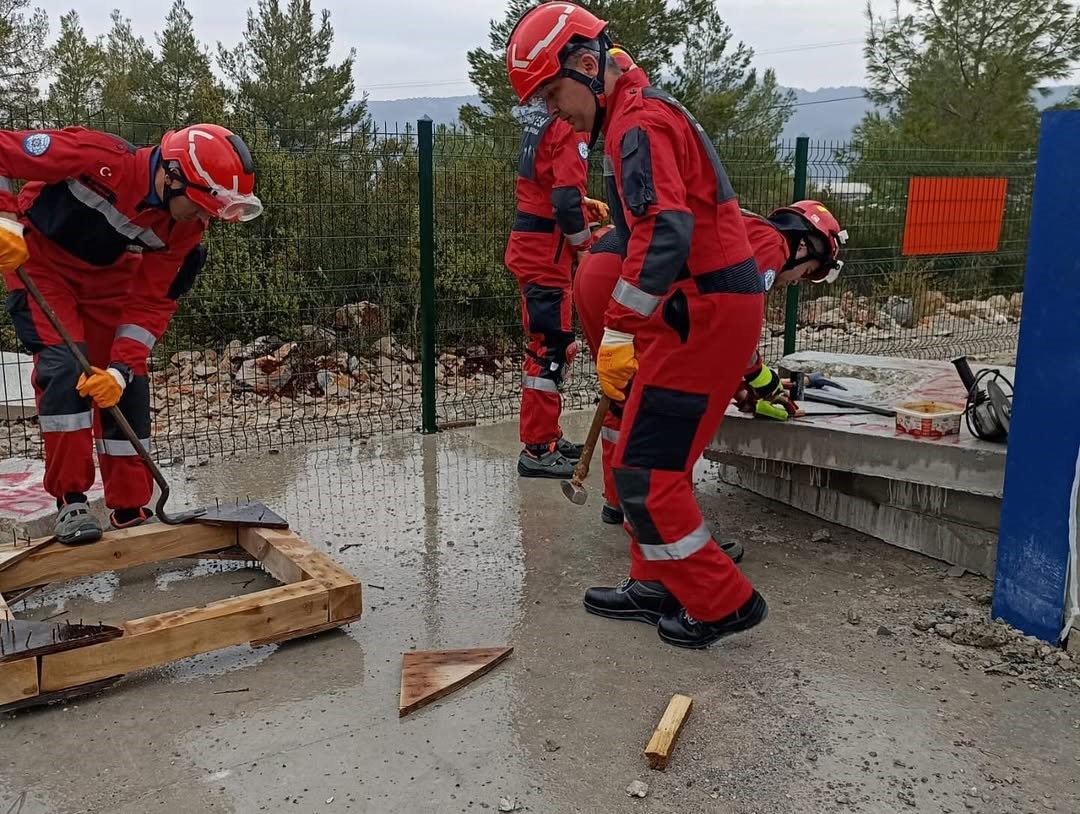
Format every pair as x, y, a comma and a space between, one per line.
823, 223
215, 167
535, 49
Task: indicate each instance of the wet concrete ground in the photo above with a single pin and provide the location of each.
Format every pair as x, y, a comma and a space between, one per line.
818, 710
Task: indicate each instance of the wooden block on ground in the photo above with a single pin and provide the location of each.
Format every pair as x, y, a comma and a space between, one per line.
179, 634
116, 550
18, 680
662, 742
428, 675
288, 558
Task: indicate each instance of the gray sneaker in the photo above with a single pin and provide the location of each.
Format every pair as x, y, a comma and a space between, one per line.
76, 526
551, 464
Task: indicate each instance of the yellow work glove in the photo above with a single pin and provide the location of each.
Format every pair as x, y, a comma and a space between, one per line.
773, 400
13, 251
598, 210
768, 409
105, 387
616, 363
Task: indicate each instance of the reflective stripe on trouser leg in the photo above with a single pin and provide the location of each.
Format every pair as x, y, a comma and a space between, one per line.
674, 409
609, 437
65, 419
541, 405
127, 480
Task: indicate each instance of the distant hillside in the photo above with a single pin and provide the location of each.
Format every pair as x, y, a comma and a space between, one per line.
442, 109
825, 114
828, 114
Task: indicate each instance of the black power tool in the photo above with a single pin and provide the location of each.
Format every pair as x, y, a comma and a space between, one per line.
989, 401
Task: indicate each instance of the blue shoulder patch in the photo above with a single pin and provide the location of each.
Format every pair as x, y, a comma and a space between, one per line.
37, 144
770, 278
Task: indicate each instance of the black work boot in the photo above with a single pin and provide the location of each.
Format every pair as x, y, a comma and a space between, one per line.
612, 515
683, 630
569, 449
545, 461
129, 518
633, 600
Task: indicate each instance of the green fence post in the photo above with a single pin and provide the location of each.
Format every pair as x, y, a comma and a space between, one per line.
426, 144
791, 313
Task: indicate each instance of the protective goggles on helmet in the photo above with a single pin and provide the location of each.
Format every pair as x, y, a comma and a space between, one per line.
829, 266
220, 202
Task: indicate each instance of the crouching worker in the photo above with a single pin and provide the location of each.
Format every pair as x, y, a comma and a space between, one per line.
111, 235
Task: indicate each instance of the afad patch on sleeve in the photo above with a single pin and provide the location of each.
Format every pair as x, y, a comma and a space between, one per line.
37, 144
770, 278
583, 150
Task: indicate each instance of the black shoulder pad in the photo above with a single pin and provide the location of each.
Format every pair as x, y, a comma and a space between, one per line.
637, 171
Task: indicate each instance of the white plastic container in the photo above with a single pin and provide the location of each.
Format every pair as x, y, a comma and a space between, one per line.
929, 419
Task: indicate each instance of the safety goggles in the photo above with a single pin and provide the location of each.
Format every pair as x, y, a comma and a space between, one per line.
240, 208
829, 269
227, 205
827, 272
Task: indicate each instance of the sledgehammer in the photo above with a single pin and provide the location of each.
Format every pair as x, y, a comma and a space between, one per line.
574, 489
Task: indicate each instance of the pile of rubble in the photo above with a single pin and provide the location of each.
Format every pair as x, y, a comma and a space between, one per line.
902, 325
927, 311
996, 648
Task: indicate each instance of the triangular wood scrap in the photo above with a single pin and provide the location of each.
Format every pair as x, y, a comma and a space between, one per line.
428, 675
11, 553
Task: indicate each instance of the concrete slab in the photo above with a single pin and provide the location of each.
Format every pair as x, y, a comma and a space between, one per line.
16, 386
809, 713
869, 444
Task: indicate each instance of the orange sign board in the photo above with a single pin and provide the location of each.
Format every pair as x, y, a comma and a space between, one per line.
954, 215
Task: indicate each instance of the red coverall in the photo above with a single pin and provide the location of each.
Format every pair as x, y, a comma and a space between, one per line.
550, 226
111, 262
594, 281
691, 295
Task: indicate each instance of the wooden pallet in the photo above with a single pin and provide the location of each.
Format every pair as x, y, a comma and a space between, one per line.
317, 595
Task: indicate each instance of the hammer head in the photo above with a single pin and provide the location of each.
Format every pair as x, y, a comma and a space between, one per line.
574, 492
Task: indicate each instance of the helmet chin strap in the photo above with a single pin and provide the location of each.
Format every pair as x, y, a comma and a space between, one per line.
596, 85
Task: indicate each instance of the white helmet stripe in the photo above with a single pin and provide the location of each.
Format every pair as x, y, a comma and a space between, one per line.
210, 182
560, 24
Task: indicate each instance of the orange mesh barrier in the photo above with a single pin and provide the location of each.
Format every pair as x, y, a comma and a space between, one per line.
954, 215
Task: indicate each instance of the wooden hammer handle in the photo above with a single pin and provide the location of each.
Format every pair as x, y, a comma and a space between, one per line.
581, 471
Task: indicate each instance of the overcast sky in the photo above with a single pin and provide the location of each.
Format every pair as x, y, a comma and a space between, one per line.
420, 51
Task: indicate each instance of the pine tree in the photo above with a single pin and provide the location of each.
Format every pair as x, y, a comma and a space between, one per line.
79, 67
182, 83
282, 73
127, 95
952, 70
725, 94
24, 59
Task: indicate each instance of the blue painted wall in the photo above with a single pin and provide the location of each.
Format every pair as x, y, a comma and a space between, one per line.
1033, 545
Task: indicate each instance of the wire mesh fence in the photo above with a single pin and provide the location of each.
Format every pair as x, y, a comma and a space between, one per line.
306, 324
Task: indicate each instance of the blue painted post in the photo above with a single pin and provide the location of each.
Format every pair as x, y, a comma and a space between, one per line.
1039, 509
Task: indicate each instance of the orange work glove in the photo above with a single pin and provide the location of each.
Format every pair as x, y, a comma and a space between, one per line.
13, 252
598, 210
105, 387
616, 363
